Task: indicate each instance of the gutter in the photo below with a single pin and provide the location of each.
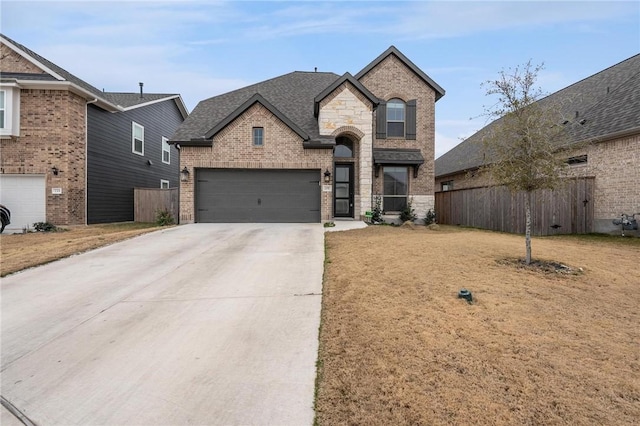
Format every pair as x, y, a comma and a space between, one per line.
86, 160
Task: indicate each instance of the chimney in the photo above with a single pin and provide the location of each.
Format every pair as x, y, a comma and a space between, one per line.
141, 95
315, 69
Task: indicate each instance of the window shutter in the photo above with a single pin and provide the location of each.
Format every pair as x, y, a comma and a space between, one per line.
411, 120
381, 120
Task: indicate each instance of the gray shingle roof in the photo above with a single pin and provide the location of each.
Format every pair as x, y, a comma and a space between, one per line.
608, 101
112, 100
55, 68
26, 76
397, 156
292, 94
127, 100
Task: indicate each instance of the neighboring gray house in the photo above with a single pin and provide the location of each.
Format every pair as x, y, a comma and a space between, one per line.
602, 116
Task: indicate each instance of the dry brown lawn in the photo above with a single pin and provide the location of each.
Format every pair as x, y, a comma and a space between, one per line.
397, 346
21, 251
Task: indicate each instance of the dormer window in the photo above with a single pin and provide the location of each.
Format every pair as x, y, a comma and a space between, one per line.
395, 118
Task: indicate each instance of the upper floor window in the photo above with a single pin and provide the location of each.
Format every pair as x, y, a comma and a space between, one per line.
344, 148
258, 136
166, 151
164, 184
447, 186
9, 111
395, 118
137, 138
3, 108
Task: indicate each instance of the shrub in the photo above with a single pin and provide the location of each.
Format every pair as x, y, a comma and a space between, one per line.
45, 227
408, 213
376, 212
164, 218
430, 217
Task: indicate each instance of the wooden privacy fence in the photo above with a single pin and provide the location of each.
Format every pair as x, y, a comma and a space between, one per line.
566, 210
148, 201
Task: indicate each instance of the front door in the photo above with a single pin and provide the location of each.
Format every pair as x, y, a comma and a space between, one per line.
343, 190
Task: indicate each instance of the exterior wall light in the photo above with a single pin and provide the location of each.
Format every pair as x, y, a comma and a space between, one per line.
327, 176
55, 171
184, 174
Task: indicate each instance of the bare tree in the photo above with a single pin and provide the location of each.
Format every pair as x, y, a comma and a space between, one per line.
521, 145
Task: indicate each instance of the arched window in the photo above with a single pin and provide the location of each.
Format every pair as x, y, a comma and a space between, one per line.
344, 148
395, 118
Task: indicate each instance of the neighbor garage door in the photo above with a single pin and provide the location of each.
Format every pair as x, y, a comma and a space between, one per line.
234, 195
25, 196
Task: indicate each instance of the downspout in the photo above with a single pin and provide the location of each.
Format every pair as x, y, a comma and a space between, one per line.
86, 160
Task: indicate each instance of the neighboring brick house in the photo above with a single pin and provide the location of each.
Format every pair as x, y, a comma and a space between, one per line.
71, 154
602, 116
312, 146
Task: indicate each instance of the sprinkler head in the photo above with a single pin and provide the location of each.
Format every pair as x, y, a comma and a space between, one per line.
465, 294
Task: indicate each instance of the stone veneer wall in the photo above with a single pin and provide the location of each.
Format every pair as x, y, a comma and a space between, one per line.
392, 79
346, 112
52, 133
282, 149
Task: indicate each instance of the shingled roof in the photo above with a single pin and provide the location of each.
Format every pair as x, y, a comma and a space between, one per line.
604, 104
291, 94
54, 73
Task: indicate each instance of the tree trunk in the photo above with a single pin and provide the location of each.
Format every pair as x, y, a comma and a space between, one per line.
527, 234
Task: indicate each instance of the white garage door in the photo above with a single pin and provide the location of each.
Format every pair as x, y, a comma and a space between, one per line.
25, 196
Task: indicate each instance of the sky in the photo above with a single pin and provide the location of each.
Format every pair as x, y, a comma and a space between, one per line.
201, 49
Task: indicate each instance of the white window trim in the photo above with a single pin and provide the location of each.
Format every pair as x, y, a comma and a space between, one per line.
11, 111
164, 182
166, 148
133, 138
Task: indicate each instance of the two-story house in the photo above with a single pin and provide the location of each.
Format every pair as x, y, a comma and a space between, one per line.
71, 154
312, 146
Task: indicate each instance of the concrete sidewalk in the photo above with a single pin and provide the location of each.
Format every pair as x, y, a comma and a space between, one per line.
199, 324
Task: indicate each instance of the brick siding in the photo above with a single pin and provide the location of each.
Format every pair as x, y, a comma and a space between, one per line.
233, 148
52, 133
392, 79
13, 62
613, 163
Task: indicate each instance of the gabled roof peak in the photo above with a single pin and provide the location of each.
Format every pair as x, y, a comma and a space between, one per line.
392, 50
333, 86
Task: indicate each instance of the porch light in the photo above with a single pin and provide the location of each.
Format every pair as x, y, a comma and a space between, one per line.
327, 176
184, 174
55, 171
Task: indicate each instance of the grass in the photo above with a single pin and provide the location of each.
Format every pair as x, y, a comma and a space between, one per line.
397, 346
21, 251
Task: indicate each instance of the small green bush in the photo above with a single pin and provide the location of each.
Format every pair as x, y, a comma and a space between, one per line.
376, 212
45, 227
164, 218
430, 217
408, 213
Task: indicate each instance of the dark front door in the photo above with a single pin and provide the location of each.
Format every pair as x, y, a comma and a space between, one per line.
343, 190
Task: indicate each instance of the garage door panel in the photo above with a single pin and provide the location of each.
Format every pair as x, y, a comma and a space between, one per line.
25, 196
230, 195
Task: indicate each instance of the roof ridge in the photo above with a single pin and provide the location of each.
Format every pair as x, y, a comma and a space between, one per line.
590, 77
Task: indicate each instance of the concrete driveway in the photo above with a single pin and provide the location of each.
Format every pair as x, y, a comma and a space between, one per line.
198, 324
